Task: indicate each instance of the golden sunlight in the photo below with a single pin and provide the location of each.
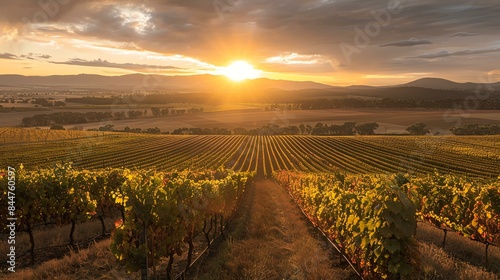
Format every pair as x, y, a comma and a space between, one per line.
241, 70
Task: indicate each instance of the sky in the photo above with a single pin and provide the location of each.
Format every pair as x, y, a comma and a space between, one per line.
336, 42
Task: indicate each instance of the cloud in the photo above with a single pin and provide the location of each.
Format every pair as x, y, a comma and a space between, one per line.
408, 43
104, 63
8, 56
30, 56
299, 63
465, 34
33, 55
27, 57
457, 53
258, 29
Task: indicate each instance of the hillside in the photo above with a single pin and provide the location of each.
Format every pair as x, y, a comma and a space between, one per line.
147, 82
437, 83
257, 90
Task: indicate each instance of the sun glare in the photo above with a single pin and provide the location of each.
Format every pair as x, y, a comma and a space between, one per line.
240, 70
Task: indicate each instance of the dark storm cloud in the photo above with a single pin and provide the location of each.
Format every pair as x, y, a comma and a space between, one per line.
457, 53
105, 63
8, 56
408, 43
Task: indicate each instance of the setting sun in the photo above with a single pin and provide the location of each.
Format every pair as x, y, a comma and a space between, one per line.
240, 70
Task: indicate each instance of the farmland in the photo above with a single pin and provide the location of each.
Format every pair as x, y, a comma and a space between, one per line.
470, 155
239, 115
319, 169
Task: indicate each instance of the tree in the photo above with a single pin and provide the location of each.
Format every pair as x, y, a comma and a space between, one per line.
134, 114
240, 131
418, 129
156, 111
155, 130
319, 129
367, 128
57, 127
302, 128
308, 129
348, 128
108, 127
119, 115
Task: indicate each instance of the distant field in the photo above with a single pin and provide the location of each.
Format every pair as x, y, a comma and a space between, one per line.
232, 116
474, 155
207, 108
391, 121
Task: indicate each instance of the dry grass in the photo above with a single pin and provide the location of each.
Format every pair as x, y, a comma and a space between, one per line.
97, 262
461, 248
437, 264
55, 236
278, 245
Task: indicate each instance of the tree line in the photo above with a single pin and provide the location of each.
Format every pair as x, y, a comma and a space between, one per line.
476, 129
388, 103
63, 118
346, 129
296, 102
166, 98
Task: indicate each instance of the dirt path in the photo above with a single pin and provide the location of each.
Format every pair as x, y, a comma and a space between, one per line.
274, 241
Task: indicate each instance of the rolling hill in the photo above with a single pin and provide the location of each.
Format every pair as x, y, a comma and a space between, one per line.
148, 82
437, 83
426, 88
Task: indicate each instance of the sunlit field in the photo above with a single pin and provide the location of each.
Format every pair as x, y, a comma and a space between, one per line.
241, 139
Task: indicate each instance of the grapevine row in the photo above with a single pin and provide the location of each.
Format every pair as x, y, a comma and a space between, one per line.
265, 154
165, 205
353, 210
468, 206
370, 218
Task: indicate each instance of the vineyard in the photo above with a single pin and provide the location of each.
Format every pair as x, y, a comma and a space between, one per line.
373, 219
366, 194
470, 156
171, 207
10, 135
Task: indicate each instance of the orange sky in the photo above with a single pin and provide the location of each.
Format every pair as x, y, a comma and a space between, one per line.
323, 41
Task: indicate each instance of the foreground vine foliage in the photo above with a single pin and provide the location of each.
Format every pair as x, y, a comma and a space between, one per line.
369, 217
373, 217
159, 210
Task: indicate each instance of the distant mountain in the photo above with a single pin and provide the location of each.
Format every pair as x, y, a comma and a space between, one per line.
259, 89
362, 87
437, 83
396, 92
149, 82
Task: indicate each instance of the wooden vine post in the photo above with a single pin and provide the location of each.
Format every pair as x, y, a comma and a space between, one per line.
144, 264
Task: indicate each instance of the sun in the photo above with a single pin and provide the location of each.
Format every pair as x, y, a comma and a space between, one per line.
241, 70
